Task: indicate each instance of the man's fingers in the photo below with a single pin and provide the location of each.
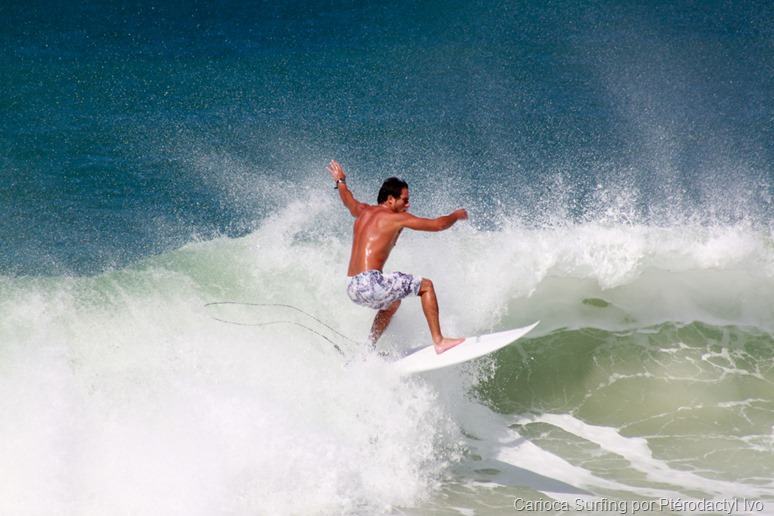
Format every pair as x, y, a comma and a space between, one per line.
335, 169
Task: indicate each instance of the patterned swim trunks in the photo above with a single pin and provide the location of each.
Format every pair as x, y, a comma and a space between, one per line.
377, 290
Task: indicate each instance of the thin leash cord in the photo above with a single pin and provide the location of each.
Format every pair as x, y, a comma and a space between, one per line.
334, 330
336, 346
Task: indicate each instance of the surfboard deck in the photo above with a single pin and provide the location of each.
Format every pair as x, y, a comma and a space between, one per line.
426, 359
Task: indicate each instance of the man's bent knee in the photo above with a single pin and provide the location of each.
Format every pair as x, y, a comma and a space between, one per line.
393, 307
425, 286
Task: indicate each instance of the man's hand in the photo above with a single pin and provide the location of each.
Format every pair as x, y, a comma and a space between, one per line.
336, 171
460, 214
354, 206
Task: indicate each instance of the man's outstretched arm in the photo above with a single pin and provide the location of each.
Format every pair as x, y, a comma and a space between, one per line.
438, 224
352, 204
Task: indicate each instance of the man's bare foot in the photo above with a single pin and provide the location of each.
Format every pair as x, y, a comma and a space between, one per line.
446, 344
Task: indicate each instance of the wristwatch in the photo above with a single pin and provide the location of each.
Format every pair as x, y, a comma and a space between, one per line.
339, 181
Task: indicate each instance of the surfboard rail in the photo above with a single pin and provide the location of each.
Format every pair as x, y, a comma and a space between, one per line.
426, 359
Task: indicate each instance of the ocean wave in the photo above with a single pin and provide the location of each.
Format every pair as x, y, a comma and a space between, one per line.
127, 391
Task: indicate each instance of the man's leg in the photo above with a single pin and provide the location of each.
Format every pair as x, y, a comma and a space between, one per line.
430, 307
381, 321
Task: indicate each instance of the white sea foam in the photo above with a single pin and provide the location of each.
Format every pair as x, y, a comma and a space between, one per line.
121, 393
141, 403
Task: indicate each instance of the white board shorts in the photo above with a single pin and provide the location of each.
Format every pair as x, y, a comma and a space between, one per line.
378, 290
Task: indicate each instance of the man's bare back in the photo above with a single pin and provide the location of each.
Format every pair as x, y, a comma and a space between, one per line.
376, 230
374, 235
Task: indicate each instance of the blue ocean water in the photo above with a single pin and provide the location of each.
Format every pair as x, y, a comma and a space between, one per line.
617, 160
116, 118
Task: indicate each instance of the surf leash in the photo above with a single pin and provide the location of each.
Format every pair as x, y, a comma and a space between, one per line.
269, 323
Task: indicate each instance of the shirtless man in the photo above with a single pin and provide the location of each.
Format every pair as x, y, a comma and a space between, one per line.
376, 231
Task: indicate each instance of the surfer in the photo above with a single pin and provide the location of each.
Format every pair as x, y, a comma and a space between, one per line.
377, 228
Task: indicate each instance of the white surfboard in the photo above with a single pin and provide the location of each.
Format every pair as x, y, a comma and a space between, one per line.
426, 359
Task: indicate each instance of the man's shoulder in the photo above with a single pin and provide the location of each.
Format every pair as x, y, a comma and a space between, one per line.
376, 213
377, 210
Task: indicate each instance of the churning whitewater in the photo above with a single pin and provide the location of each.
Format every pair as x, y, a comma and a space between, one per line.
175, 335
651, 374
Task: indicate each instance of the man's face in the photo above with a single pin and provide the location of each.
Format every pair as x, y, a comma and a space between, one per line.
401, 204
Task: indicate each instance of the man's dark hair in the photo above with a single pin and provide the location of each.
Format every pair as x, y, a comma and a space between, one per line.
391, 186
